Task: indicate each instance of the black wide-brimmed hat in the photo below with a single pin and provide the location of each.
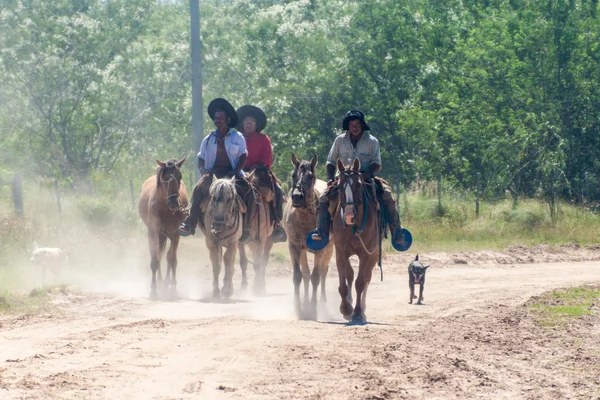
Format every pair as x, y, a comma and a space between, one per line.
222, 104
254, 112
355, 114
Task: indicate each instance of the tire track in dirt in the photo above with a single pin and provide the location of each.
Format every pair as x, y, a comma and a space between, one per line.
100, 347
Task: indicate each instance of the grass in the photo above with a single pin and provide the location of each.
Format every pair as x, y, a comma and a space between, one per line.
457, 228
23, 303
560, 305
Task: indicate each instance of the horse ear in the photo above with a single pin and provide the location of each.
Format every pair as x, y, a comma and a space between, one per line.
180, 162
160, 164
295, 161
417, 258
314, 162
340, 165
356, 165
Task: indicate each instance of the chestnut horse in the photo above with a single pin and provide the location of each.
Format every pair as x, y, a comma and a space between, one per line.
222, 227
261, 228
355, 232
162, 207
299, 219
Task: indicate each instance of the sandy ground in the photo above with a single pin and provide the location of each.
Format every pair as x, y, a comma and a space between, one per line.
473, 338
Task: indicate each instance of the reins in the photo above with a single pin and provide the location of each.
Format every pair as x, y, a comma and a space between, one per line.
358, 231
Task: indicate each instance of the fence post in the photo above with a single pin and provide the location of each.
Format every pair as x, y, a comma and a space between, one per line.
477, 195
131, 192
439, 190
57, 194
17, 192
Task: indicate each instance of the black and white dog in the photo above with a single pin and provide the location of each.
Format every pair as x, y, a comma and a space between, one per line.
416, 276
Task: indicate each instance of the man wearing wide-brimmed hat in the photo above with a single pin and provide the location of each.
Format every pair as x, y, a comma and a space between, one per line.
355, 142
260, 152
222, 154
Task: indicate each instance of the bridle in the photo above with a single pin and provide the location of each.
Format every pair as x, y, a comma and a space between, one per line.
232, 212
167, 185
300, 188
351, 174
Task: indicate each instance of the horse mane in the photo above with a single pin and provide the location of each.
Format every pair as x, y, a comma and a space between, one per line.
219, 187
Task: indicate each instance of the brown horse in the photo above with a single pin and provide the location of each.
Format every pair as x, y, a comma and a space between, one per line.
222, 227
161, 207
355, 231
261, 229
300, 218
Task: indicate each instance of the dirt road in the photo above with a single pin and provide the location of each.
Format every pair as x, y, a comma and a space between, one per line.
471, 339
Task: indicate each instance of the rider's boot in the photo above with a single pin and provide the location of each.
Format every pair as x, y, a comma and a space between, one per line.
247, 220
393, 218
323, 217
188, 227
278, 234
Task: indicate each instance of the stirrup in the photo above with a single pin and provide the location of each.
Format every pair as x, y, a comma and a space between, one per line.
245, 238
184, 230
279, 235
317, 240
318, 234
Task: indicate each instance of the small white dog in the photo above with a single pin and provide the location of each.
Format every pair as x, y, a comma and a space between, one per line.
51, 258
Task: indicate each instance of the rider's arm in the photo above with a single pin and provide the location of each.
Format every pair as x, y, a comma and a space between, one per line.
373, 168
268, 153
332, 157
201, 166
240, 164
330, 172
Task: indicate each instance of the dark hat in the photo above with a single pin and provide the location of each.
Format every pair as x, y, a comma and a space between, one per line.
222, 104
254, 112
355, 114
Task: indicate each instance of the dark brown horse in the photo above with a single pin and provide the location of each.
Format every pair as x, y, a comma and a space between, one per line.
161, 207
355, 232
300, 218
261, 229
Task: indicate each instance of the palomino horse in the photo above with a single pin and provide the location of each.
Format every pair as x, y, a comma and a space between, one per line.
260, 244
300, 218
355, 232
161, 207
222, 227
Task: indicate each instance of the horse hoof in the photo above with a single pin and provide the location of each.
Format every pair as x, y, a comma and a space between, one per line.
358, 320
260, 291
347, 317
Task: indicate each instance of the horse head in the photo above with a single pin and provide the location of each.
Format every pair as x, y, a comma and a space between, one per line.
225, 205
262, 179
303, 180
168, 176
351, 190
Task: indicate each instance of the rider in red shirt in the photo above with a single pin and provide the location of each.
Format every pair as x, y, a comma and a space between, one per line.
260, 151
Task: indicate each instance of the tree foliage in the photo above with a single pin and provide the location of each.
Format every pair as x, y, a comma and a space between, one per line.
507, 89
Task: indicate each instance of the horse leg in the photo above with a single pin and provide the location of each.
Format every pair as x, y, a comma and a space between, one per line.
228, 262
215, 258
172, 265
243, 265
349, 279
259, 273
162, 243
317, 278
362, 284
305, 279
265, 260
324, 268
154, 261
295, 257
345, 306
